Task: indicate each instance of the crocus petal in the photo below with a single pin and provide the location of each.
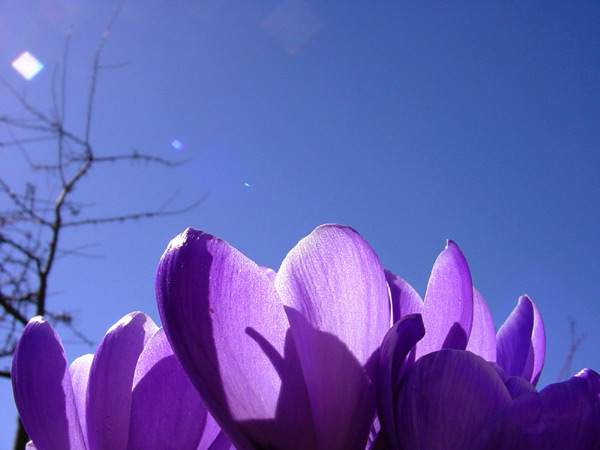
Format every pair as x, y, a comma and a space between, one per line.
271, 274
482, 340
337, 302
518, 386
213, 438
396, 345
166, 409
42, 388
537, 351
111, 376
30, 446
563, 415
405, 299
514, 338
80, 374
229, 330
446, 399
448, 305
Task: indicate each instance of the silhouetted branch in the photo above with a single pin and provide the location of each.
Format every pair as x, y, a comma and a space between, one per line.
128, 217
575, 343
32, 227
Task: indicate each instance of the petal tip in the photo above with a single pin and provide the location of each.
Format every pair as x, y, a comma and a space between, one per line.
180, 240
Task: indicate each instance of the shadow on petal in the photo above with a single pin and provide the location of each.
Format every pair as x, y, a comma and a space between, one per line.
292, 423
341, 391
228, 328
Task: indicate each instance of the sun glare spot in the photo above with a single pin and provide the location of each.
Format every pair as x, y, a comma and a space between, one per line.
27, 65
177, 145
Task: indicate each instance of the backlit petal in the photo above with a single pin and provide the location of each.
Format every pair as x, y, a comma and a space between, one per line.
514, 338
396, 345
166, 409
336, 297
213, 438
80, 374
229, 330
448, 305
482, 340
42, 388
538, 345
110, 381
405, 299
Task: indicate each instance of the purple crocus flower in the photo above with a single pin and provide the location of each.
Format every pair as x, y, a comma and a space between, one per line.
131, 394
285, 360
455, 315
447, 380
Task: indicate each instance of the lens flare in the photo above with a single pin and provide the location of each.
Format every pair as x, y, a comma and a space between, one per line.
27, 65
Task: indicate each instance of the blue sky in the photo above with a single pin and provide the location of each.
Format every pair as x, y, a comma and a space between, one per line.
411, 122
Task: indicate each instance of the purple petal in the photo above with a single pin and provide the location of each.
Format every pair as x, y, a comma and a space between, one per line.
338, 305
110, 381
229, 330
446, 399
448, 306
518, 386
271, 274
213, 437
80, 374
482, 340
562, 416
396, 345
514, 338
166, 409
42, 388
537, 351
30, 446
405, 299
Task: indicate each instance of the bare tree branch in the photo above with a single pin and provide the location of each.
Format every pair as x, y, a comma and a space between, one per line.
33, 226
129, 217
575, 343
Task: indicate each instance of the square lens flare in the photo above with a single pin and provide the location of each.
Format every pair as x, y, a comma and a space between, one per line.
27, 65
177, 145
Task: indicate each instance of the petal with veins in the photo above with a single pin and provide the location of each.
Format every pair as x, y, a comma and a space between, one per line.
42, 388
336, 297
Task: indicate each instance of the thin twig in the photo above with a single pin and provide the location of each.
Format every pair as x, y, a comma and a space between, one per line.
129, 217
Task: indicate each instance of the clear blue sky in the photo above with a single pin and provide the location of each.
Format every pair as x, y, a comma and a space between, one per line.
413, 123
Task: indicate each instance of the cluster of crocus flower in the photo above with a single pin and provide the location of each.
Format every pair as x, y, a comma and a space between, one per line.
329, 352
131, 394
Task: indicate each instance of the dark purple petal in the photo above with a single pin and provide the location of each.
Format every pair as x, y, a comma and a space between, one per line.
110, 381
562, 416
338, 305
80, 374
514, 338
499, 370
448, 305
229, 330
42, 388
166, 409
518, 386
446, 399
396, 345
405, 299
482, 340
